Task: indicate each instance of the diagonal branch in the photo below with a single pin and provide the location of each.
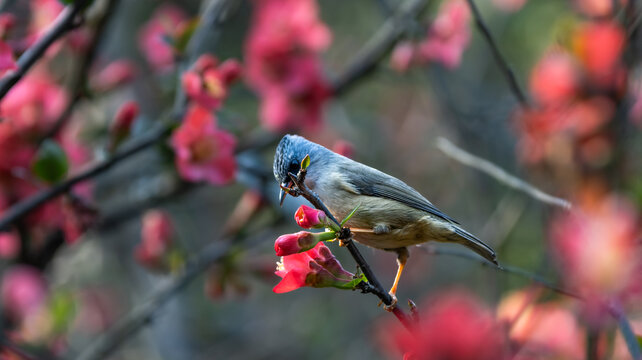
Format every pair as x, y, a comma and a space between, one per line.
63, 24
453, 151
499, 58
144, 313
378, 46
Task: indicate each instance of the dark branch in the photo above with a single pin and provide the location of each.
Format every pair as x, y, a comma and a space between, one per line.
499, 58
64, 23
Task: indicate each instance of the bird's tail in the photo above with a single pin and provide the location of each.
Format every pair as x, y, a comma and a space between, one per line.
470, 241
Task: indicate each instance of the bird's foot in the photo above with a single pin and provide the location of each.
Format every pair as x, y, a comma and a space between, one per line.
392, 305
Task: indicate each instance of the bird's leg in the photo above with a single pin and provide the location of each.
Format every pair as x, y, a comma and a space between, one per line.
402, 257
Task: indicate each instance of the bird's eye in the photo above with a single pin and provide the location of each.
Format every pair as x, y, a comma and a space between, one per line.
294, 168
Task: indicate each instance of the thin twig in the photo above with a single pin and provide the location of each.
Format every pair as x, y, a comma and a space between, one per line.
499, 174
378, 46
499, 58
63, 23
144, 313
79, 83
372, 285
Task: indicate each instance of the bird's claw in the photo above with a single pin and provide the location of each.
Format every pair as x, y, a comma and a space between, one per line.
392, 305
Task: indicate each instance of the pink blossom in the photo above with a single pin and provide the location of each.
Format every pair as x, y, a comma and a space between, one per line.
298, 242
204, 152
7, 22
33, 104
599, 47
542, 330
157, 232
316, 267
6, 58
207, 82
343, 147
555, 80
449, 34
123, 121
283, 65
403, 56
597, 249
116, 73
455, 326
597, 8
9, 245
153, 36
23, 290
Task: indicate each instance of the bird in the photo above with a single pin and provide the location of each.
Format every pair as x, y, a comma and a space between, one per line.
390, 216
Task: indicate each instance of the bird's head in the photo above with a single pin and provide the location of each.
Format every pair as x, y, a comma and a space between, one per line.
287, 159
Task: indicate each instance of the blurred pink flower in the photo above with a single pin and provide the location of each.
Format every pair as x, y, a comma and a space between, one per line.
403, 56
599, 47
454, 326
204, 152
555, 80
207, 82
156, 234
542, 330
33, 104
282, 62
116, 73
598, 250
449, 35
509, 5
316, 267
9, 245
7, 22
121, 126
23, 290
153, 37
343, 147
6, 58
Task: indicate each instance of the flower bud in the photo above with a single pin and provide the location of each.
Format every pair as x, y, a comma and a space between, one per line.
302, 241
123, 121
309, 218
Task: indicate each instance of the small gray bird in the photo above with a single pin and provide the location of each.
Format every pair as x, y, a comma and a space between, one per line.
391, 214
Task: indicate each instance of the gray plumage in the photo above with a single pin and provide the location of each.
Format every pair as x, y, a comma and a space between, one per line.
391, 216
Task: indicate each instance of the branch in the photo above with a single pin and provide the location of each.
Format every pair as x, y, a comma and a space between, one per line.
372, 285
377, 46
63, 23
451, 150
80, 81
144, 313
499, 58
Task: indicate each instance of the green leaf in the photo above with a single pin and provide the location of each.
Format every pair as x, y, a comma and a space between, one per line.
62, 307
350, 215
50, 164
352, 284
305, 162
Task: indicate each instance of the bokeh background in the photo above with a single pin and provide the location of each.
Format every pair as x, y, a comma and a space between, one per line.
74, 271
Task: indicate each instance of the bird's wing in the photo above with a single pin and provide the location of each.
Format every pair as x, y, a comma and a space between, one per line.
372, 182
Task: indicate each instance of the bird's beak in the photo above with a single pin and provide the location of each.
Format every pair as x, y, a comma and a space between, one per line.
283, 193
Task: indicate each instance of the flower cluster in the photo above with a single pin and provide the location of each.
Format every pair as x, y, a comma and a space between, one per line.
306, 261
157, 250
207, 82
155, 38
283, 65
576, 90
446, 40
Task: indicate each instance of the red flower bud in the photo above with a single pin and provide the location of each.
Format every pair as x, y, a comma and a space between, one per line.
308, 218
121, 126
302, 241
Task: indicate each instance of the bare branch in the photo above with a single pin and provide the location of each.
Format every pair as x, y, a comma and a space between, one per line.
499, 174
144, 313
63, 23
378, 45
499, 58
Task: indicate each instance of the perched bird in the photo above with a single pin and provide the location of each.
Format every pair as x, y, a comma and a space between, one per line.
391, 215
